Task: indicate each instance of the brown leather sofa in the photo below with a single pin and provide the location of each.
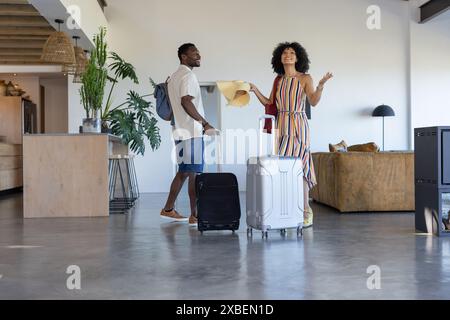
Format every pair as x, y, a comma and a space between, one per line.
365, 181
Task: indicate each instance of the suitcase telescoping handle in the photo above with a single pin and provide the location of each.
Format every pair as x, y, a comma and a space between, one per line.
262, 121
218, 137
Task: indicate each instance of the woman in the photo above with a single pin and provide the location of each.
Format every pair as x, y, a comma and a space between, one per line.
293, 85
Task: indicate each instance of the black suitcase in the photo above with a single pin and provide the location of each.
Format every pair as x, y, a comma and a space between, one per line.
218, 206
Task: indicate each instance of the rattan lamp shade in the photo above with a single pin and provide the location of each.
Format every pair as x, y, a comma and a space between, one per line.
80, 65
68, 68
58, 49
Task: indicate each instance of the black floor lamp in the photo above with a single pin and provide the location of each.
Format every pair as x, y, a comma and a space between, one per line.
383, 111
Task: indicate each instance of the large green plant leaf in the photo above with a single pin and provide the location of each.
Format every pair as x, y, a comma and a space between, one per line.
133, 120
122, 69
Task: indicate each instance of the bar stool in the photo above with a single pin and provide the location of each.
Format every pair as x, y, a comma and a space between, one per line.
124, 192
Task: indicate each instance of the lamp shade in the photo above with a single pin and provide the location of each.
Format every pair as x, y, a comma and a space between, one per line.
58, 48
383, 111
81, 60
80, 63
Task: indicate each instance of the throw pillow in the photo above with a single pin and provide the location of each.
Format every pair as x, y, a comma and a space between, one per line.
340, 147
367, 147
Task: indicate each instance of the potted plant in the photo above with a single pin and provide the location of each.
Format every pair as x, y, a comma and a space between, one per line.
94, 83
133, 119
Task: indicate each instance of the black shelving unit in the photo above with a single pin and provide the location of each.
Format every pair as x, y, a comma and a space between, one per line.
432, 179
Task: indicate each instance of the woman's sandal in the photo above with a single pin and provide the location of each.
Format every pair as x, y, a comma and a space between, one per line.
308, 222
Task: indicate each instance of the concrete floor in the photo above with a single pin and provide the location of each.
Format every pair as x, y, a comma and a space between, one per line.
135, 256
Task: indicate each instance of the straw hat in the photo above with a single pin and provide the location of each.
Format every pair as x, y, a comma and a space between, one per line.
236, 92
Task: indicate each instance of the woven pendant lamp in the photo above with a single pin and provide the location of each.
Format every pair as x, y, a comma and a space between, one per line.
58, 49
82, 61
68, 69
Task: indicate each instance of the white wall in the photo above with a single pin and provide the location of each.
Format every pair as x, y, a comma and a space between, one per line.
236, 39
76, 112
56, 105
91, 15
237, 44
430, 70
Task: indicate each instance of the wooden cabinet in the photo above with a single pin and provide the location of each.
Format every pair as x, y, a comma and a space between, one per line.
17, 116
11, 124
10, 166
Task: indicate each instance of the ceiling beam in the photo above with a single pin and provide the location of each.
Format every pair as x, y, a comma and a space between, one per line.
7, 43
432, 9
20, 52
20, 58
24, 62
22, 37
14, 2
18, 10
22, 21
27, 31
23, 33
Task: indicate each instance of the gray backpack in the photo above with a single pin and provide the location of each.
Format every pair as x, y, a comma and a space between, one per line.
163, 106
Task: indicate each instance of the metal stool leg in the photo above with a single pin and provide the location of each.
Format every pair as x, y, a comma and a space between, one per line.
126, 198
117, 204
133, 169
111, 178
130, 191
122, 168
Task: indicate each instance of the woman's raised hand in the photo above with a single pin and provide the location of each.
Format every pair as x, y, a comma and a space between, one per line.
325, 78
253, 88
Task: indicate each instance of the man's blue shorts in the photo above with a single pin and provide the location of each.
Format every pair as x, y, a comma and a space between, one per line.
190, 157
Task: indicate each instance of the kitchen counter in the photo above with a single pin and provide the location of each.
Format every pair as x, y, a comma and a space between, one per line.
66, 175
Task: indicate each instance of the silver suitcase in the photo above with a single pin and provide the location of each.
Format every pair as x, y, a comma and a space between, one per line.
274, 191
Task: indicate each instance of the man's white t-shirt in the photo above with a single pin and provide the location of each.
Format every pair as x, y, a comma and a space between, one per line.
184, 83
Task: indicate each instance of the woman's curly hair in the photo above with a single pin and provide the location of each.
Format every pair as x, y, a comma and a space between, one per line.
302, 64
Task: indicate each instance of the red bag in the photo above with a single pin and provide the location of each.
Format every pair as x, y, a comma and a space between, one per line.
271, 108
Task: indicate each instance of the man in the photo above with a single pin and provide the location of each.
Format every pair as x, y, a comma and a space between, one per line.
190, 125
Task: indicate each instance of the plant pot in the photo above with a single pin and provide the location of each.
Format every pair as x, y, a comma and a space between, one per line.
92, 125
105, 128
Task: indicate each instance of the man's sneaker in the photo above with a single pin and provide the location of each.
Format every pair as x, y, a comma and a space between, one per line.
172, 216
193, 221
